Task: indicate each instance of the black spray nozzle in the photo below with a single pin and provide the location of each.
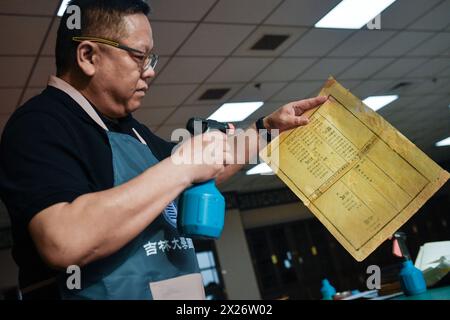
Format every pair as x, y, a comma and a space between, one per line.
401, 239
198, 125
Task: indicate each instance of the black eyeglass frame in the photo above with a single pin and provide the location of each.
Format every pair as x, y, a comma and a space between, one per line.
148, 59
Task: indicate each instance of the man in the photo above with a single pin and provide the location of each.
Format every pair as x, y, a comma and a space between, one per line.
85, 184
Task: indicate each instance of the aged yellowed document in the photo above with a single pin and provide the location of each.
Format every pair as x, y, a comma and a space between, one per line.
359, 176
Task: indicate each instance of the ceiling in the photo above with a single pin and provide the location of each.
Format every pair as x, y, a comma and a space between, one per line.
205, 44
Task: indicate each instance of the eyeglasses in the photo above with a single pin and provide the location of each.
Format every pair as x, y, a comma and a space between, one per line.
147, 59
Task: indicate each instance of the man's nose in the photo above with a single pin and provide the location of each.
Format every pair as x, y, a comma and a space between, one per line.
148, 74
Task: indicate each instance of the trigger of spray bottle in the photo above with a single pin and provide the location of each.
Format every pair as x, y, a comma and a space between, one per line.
411, 278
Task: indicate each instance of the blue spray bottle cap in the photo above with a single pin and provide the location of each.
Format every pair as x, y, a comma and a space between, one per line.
411, 278
327, 290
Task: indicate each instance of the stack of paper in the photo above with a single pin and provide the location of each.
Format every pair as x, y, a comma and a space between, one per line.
430, 254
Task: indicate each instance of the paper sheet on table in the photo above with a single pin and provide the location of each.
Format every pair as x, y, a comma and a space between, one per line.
358, 175
430, 253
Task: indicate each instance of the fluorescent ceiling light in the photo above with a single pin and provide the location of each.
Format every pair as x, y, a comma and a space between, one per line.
261, 168
377, 102
443, 143
62, 8
353, 14
234, 112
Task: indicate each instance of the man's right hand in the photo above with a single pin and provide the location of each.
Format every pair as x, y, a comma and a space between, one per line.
204, 156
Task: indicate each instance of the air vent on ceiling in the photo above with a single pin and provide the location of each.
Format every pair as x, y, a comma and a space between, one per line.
401, 86
214, 94
270, 42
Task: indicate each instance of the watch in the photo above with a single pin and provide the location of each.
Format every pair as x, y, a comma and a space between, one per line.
260, 126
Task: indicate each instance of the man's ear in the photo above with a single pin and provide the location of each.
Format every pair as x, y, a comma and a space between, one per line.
87, 57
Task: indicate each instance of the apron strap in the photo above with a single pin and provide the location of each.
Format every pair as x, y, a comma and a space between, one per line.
84, 103
78, 97
139, 136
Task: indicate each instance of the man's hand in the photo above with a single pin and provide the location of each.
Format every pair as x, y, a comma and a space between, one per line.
292, 114
203, 156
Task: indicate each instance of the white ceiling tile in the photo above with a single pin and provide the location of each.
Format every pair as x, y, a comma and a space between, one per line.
431, 68
153, 116
15, 71
403, 12
168, 36
372, 87
401, 43
183, 114
30, 93
265, 110
418, 108
22, 35
238, 69
430, 86
304, 12
9, 99
317, 43
325, 68
193, 100
419, 86
447, 52
285, 69
263, 92
299, 90
167, 95
192, 10
49, 47
215, 39
443, 86
44, 68
435, 46
37, 7
237, 11
245, 48
348, 84
188, 70
445, 72
399, 68
364, 68
390, 111
436, 19
361, 43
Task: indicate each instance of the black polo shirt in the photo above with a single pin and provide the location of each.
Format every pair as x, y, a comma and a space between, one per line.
51, 151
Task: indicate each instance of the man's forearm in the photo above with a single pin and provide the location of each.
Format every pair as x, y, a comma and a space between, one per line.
98, 224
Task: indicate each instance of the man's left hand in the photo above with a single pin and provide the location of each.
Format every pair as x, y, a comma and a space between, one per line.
292, 115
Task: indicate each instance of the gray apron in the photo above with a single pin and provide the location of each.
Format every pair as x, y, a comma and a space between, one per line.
159, 263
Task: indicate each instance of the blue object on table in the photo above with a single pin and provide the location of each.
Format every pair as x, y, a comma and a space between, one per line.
411, 279
327, 290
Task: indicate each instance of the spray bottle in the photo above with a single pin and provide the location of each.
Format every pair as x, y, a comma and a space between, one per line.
411, 278
327, 290
201, 208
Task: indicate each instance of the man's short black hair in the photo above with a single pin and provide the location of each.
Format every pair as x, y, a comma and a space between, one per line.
100, 18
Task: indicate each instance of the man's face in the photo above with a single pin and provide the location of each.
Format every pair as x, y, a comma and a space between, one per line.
119, 79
